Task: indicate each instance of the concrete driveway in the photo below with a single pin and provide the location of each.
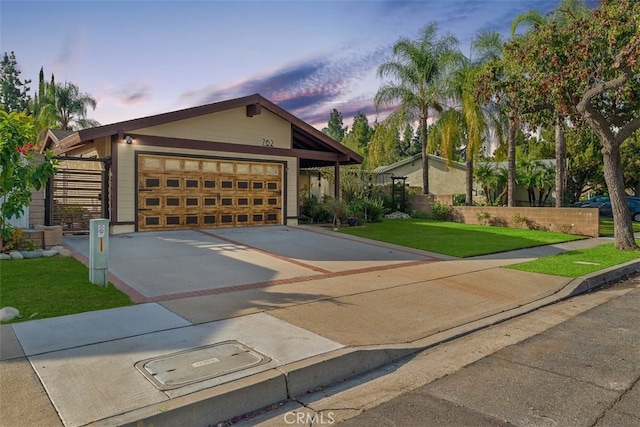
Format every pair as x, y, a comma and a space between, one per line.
176, 264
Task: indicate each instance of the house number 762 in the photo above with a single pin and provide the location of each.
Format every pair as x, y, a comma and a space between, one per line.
267, 142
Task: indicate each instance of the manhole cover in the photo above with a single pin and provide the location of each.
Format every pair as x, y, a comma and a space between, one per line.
198, 364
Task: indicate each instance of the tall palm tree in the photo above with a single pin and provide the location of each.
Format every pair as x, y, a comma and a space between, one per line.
567, 10
71, 107
469, 122
416, 69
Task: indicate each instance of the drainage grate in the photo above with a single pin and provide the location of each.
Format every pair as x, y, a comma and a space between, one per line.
199, 364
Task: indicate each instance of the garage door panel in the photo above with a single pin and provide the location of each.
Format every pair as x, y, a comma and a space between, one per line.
176, 192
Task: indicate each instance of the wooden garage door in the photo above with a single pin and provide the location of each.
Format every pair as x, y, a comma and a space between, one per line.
181, 192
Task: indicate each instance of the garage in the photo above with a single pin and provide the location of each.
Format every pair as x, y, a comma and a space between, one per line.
233, 163
189, 192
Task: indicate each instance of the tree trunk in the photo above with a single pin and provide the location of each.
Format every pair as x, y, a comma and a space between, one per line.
425, 155
637, 189
613, 176
511, 165
469, 183
561, 161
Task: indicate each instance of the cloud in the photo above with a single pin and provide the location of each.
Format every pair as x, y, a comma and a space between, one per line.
71, 49
131, 95
306, 88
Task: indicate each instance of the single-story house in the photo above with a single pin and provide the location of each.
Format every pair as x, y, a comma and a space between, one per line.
229, 163
445, 177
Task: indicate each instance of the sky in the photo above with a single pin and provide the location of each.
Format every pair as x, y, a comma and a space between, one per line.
140, 58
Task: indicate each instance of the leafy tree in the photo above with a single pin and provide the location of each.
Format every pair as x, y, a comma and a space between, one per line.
71, 107
588, 70
406, 148
630, 154
335, 128
383, 146
585, 163
18, 172
566, 11
416, 69
13, 91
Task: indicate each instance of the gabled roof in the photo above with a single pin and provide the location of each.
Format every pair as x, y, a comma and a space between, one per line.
305, 136
385, 169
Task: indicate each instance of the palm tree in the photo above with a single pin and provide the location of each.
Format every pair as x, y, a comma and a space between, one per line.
470, 123
416, 68
71, 107
568, 9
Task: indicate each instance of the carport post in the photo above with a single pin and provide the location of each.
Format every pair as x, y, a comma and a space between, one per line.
98, 251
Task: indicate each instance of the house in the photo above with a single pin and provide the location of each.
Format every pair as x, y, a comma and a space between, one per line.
229, 163
445, 177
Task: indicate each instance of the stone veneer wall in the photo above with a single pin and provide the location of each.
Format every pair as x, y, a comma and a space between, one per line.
583, 221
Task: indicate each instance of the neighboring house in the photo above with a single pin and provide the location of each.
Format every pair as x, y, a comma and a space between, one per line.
444, 177
230, 163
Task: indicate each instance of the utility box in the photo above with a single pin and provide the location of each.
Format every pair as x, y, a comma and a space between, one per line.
98, 251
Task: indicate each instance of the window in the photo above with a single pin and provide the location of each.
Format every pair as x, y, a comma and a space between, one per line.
192, 201
173, 201
153, 202
192, 183
191, 219
173, 220
173, 183
209, 184
152, 182
226, 184
209, 219
152, 220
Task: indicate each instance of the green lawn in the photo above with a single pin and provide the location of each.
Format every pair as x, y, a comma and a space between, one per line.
50, 287
580, 262
606, 227
455, 239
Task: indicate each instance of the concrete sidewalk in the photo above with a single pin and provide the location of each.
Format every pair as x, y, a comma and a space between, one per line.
306, 331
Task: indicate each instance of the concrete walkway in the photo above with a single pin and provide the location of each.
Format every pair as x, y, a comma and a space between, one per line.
314, 307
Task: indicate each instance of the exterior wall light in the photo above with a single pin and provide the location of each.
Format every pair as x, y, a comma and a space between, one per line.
128, 139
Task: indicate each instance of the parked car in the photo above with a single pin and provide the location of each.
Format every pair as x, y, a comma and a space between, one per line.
596, 201
591, 201
634, 208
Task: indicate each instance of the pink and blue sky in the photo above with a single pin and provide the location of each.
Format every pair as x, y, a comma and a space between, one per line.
139, 58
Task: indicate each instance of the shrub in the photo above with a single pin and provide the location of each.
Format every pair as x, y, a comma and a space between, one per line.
459, 199
483, 217
374, 209
15, 238
440, 211
566, 228
519, 221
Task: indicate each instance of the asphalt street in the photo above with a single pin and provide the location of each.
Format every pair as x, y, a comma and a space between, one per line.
582, 372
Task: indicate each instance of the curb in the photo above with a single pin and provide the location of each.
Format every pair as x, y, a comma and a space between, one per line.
224, 402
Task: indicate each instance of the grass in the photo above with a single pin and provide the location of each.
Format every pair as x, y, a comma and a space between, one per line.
606, 227
455, 239
580, 262
50, 287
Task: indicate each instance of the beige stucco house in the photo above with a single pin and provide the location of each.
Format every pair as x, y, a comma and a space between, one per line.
230, 163
445, 177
